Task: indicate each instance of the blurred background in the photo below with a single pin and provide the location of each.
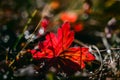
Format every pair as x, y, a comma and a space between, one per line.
86, 16
93, 21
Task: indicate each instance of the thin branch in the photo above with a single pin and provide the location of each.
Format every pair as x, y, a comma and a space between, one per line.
80, 43
106, 49
84, 45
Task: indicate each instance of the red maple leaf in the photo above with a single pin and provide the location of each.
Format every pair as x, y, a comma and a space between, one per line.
58, 46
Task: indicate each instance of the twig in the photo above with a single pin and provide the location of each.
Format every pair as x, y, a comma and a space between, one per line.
84, 45
29, 20
106, 49
80, 43
26, 26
